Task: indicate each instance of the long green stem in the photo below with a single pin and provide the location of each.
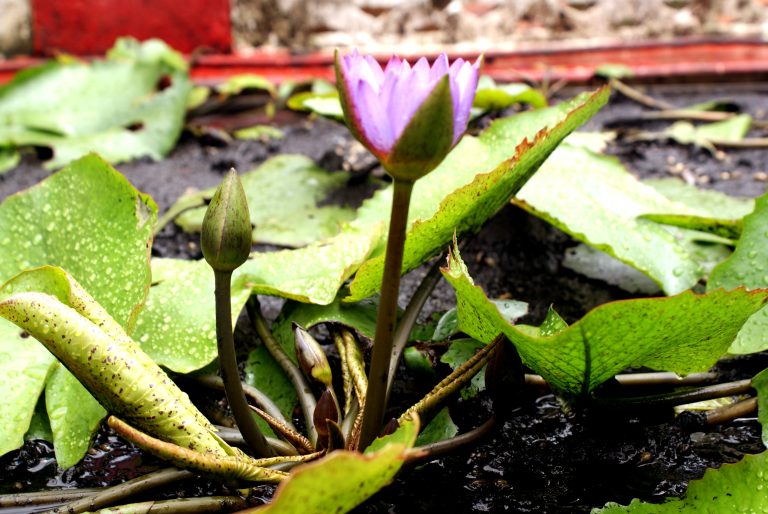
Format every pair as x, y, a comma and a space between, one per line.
230, 373
378, 377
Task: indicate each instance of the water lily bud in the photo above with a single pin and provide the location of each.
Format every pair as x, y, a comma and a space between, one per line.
311, 357
326, 414
226, 237
408, 117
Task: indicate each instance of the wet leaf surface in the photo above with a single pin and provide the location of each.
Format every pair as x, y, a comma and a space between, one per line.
740, 487
684, 334
286, 198
118, 107
89, 220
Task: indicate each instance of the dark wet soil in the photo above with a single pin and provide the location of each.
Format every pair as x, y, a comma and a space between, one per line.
538, 459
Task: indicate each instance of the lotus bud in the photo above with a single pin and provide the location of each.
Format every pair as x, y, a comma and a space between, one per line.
311, 357
327, 412
408, 117
226, 237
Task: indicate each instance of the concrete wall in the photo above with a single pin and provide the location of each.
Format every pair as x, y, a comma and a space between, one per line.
402, 24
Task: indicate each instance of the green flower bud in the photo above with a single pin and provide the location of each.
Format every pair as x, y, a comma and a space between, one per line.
226, 238
311, 358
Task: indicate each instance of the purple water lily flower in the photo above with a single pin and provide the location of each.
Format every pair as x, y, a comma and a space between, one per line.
409, 117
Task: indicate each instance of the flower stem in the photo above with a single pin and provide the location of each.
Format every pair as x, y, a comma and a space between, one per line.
230, 373
375, 397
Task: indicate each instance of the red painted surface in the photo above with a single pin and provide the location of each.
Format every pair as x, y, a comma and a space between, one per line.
678, 60
90, 27
654, 60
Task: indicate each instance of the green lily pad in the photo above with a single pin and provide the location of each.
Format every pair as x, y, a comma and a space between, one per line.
9, 159
72, 412
237, 84
360, 316
259, 132
266, 375
598, 265
760, 383
119, 107
342, 480
56, 310
440, 428
177, 328
599, 204
284, 196
685, 333
739, 487
491, 96
710, 134
89, 220
460, 351
711, 211
706, 203
748, 267
476, 179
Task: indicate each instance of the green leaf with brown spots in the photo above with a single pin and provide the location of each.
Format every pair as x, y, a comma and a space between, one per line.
286, 198
54, 309
177, 327
739, 487
343, 480
88, 219
685, 333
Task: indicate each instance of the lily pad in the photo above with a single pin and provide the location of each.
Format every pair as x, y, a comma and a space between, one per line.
491, 96
595, 199
739, 487
342, 480
360, 316
748, 267
460, 352
127, 106
89, 220
284, 198
685, 333
760, 383
9, 158
177, 328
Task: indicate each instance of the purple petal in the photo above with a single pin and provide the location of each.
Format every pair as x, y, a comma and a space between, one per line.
394, 64
439, 68
463, 85
372, 120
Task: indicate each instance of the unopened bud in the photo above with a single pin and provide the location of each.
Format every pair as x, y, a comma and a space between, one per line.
326, 413
311, 357
226, 237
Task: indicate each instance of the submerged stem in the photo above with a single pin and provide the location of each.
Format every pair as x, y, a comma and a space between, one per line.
118, 493
230, 372
378, 377
679, 397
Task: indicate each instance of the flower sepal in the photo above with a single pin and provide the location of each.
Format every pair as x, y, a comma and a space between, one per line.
427, 138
